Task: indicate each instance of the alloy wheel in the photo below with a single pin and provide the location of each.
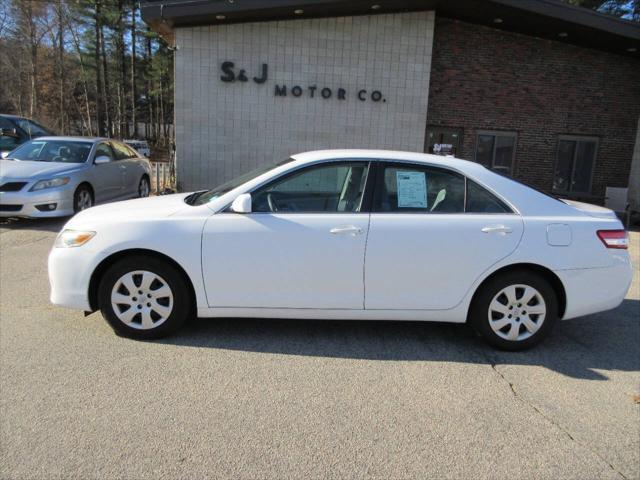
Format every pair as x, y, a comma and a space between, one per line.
517, 312
84, 200
142, 300
144, 189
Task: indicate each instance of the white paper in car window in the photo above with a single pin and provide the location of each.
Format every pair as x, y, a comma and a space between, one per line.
412, 189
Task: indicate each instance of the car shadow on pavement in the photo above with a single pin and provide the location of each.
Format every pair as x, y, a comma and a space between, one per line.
35, 224
579, 348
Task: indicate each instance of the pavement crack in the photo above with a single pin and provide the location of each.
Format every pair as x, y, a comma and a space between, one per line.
556, 424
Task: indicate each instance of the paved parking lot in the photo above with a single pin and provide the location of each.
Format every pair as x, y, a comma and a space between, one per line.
305, 399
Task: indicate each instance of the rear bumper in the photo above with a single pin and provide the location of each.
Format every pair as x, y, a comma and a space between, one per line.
24, 204
592, 290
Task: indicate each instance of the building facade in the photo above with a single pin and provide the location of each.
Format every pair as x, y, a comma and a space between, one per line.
530, 92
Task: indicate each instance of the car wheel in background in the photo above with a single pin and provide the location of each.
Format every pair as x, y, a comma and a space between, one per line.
515, 310
144, 298
144, 187
82, 198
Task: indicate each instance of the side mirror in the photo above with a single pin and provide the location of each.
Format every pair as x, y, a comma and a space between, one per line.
4, 154
101, 160
242, 204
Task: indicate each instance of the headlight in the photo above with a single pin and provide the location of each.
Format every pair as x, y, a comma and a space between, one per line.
52, 182
73, 238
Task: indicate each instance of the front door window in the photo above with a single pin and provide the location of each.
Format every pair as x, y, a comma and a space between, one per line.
335, 188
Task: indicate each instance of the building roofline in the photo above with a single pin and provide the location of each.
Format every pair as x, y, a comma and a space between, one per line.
550, 19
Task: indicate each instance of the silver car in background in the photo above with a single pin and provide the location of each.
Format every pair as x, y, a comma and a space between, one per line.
59, 176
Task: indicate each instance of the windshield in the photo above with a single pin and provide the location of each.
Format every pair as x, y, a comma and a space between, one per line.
62, 151
207, 196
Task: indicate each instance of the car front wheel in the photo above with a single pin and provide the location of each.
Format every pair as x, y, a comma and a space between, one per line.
515, 311
82, 199
144, 298
143, 187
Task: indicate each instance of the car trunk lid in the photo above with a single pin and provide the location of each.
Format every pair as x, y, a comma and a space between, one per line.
590, 209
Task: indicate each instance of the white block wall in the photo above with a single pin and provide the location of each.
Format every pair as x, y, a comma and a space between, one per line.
225, 129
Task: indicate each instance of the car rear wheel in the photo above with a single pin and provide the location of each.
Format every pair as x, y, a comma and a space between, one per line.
515, 311
82, 199
143, 187
144, 298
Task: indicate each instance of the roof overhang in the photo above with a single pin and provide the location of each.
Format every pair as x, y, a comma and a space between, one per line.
550, 19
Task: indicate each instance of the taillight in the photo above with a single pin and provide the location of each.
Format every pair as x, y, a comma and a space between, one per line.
614, 238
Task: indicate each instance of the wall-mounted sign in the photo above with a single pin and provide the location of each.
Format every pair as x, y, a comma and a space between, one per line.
232, 74
443, 149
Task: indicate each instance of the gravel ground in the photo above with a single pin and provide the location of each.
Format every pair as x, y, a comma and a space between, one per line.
305, 399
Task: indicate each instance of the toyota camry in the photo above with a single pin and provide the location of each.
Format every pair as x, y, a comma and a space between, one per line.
347, 234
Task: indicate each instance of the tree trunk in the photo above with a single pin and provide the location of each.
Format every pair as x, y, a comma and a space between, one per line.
134, 86
61, 72
33, 43
99, 87
107, 87
122, 103
149, 86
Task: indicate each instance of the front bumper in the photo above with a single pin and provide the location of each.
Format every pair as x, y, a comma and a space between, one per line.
24, 203
70, 271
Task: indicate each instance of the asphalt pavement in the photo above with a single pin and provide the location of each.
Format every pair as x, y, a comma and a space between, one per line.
247, 398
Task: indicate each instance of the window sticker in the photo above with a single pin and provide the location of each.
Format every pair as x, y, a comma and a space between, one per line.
412, 189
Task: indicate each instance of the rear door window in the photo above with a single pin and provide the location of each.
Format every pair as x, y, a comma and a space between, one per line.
121, 151
413, 188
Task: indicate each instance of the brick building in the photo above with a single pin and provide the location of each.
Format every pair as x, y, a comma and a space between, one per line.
536, 89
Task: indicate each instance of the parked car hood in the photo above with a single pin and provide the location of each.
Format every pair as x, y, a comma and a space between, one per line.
142, 209
27, 169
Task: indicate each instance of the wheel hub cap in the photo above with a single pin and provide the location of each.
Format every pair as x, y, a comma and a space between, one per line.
517, 312
142, 300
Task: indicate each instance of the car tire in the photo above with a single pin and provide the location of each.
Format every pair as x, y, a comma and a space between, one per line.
515, 310
144, 298
82, 198
144, 188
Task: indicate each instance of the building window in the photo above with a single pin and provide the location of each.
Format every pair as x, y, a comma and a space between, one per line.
496, 150
575, 163
444, 140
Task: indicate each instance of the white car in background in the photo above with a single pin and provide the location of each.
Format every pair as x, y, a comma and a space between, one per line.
140, 146
347, 234
60, 176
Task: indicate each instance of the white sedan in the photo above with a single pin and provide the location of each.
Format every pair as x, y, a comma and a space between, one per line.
347, 234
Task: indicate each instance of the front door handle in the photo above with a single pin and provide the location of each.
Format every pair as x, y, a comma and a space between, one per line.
499, 229
346, 230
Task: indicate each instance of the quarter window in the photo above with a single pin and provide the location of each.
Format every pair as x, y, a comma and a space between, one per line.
480, 200
321, 188
496, 150
575, 163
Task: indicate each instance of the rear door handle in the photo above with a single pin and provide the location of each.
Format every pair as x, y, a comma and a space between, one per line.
346, 230
499, 229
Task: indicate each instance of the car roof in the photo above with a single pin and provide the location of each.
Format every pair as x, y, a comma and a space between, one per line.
426, 158
74, 139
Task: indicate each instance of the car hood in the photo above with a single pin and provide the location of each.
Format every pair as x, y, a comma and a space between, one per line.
25, 169
142, 209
